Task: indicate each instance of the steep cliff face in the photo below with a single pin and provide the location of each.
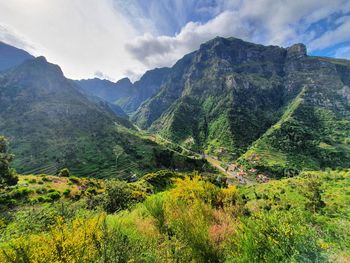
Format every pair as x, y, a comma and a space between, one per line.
213, 101
229, 93
314, 131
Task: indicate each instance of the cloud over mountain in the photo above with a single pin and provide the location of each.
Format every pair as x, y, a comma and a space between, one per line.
125, 38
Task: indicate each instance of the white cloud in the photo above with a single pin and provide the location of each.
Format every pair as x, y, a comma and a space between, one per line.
125, 38
339, 35
82, 36
155, 51
276, 22
9, 36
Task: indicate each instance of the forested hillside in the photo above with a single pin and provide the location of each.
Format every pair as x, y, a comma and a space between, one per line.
51, 125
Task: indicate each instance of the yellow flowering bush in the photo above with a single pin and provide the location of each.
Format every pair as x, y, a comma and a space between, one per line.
77, 241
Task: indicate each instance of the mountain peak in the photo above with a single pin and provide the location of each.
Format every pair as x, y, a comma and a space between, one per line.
296, 51
37, 70
40, 64
124, 81
41, 59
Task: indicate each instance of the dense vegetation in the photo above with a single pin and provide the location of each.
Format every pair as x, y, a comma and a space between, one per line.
172, 217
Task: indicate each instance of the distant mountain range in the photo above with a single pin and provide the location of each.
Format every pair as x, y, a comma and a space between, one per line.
51, 124
123, 93
267, 107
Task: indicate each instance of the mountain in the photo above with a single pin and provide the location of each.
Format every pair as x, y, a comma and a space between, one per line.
269, 107
11, 56
105, 89
117, 110
51, 125
129, 96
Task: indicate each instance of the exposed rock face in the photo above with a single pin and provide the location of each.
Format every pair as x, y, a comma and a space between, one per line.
345, 93
296, 51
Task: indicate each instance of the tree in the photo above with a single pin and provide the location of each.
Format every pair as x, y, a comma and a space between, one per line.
313, 192
64, 172
7, 175
118, 196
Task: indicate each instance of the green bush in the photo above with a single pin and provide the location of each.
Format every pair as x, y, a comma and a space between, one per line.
53, 196
160, 180
118, 196
32, 181
7, 174
155, 206
45, 179
64, 172
276, 237
74, 179
21, 192
41, 190
66, 192
91, 190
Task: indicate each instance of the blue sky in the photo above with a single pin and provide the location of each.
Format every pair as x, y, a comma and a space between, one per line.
117, 38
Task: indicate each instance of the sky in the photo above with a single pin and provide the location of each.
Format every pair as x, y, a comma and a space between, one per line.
113, 39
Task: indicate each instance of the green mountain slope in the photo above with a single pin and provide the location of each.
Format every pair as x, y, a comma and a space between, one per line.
52, 125
225, 96
314, 131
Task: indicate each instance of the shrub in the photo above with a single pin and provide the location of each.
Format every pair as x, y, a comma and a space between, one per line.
160, 180
7, 175
91, 191
155, 206
74, 179
192, 189
66, 192
32, 181
21, 192
118, 196
64, 172
41, 190
53, 196
45, 179
275, 237
191, 223
312, 191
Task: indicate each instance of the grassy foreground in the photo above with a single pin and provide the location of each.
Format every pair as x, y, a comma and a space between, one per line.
177, 217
